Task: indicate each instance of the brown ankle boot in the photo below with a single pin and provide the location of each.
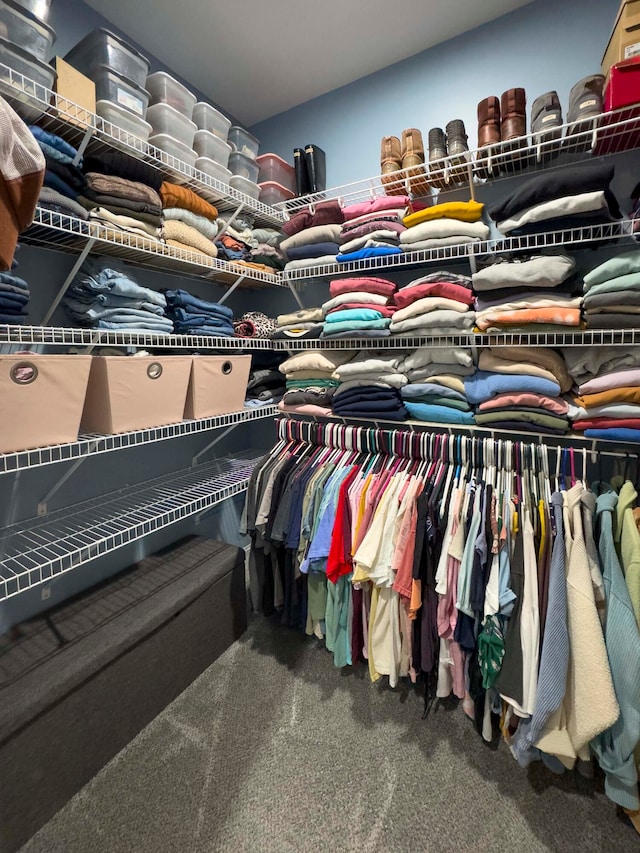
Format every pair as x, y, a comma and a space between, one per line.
390, 162
488, 122
514, 114
413, 161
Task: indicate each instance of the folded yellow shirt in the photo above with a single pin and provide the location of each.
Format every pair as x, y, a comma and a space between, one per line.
465, 211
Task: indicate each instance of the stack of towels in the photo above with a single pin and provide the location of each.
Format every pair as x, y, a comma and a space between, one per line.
266, 384
439, 303
370, 385
527, 295
612, 293
435, 391
569, 198
305, 323
519, 388
310, 381
449, 224
359, 308
608, 380
312, 235
189, 222
194, 316
105, 296
373, 228
14, 298
63, 179
127, 207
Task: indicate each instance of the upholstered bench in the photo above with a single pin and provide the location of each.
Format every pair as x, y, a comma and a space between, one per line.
78, 685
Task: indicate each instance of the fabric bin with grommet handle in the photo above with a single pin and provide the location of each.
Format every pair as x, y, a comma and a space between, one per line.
135, 392
31, 385
218, 385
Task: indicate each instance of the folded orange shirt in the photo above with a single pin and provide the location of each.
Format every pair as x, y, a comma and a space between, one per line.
630, 394
557, 316
175, 196
463, 211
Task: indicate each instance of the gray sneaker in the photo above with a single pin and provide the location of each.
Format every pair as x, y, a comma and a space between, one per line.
585, 102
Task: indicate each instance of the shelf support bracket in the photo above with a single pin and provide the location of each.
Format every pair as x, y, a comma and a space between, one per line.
295, 293
213, 443
67, 282
83, 145
228, 293
231, 220
43, 508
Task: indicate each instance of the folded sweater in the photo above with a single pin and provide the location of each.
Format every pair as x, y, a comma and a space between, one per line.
465, 211
540, 271
174, 229
555, 208
483, 386
624, 264
316, 234
115, 186
208, 228
439, 228
428, 305
174, 195
439, 414
364, 284
363, 208
408, 295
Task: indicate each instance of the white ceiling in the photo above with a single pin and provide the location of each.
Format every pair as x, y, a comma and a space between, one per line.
258, 58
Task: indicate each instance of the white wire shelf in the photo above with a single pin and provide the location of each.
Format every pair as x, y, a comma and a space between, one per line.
92, 444
62, 233
604, 134
39, 105
38, 551
570, 238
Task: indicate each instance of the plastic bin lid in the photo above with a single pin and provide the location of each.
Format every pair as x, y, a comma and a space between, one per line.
242, 130
106, 32
173, 80
28, 57
123, 78
27, 13
263, 157
266, 185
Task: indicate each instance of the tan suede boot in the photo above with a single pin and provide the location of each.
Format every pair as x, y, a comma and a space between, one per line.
390, 162
413, 156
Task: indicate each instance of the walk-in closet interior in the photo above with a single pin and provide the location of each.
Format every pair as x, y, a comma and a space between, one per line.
319, 426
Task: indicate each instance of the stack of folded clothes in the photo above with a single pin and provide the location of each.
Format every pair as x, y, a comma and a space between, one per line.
612, 293
359, 308
569, 198
519, 388
372, 228
236, 240
14, 298
254, 324
128, 207
448, 224
105, 296
370, 385
527, 295
266, 384
194, 316
310, 381
266, 250
192, 229
432, 373
312, 235
305, 323
439, 303
63, 180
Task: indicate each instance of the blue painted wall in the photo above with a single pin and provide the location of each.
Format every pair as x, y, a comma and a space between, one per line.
542, 46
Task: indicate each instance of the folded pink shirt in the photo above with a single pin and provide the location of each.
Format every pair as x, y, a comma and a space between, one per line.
556, 405
391, 202
446, 289
305, 409
385, 310
366, 284
619, 379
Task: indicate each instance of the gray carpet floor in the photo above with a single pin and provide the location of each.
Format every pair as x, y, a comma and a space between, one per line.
273, 749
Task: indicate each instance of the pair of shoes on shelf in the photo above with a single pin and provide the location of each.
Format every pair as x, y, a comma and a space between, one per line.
405, 155
453, 143
501, 120
311, 170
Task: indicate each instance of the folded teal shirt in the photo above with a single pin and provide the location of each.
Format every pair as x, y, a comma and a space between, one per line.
621, 265
355, 325
438, 414
621, 282
353, 314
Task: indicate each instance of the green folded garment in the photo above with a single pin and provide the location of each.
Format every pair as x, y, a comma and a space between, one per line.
537, 418
621, 265
355, 326
311, 383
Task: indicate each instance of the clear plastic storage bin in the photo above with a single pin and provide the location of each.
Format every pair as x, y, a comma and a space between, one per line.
21, 27
209, 118
104, 48
165, 119
25, 96
243, 166
40, 8
241, 140
134, 127
174, 148
244, 186
274, 168
272, 193
214, 170
165, 90
111, 86
208, 145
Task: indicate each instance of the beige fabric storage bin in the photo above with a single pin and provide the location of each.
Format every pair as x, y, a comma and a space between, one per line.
41, 399
128, 392
218, 385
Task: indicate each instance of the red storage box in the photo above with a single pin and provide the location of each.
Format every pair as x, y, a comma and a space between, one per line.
275, 169
622, 87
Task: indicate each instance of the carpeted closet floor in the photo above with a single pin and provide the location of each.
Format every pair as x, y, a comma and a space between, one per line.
272, 749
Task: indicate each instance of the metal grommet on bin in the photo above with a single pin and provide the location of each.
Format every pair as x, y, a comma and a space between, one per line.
23, 373
154, 371
227, 367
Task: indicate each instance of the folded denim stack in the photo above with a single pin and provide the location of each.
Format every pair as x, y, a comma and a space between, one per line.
188, 233
103, 295
194, 316
370, 385
435, 390
63, 179
310, 381
373, 228
254, 324
439, 303
129, 208
570, 198
526, 295
448, 224
359, 308
14, 298
519, 388
306, 323
612, 293
312, 235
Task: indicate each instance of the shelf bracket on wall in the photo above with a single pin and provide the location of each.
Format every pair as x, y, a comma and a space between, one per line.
67, 282
295, 293
228, 293
213, 443
83, 145
230, 220
43, 506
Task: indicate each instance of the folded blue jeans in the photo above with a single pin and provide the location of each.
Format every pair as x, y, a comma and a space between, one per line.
114, 281
210, 331
184, 299
11, 319
143, 326
12, 300
8, 278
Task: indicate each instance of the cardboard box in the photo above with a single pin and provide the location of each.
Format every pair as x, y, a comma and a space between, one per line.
625, 38
622, 87
76, 94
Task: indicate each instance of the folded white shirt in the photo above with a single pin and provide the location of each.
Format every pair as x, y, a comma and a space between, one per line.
428, 304
438, 228
571, 205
